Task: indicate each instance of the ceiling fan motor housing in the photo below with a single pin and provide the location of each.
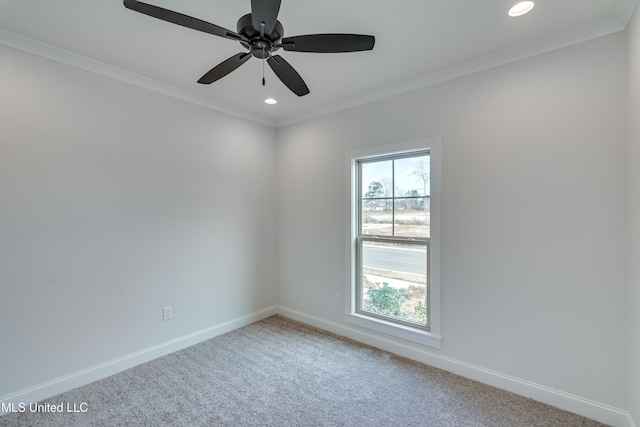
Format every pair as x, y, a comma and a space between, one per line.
260, 46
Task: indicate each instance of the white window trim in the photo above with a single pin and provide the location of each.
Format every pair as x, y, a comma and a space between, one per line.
431, 338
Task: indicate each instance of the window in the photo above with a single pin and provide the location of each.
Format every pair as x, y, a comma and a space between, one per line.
393, 238
393, 225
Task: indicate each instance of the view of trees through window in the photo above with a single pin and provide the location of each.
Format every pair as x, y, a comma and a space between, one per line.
393, 242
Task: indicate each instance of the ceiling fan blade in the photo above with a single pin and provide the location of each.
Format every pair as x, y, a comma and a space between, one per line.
180, 19
288, 75
329, 43
224, 68
264, 11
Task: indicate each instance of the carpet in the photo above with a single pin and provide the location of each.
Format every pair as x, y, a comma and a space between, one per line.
278, 372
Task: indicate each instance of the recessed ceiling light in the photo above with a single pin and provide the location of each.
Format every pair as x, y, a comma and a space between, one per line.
521, 8
270, 101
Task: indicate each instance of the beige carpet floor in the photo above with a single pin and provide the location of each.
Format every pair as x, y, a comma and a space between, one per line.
278, 372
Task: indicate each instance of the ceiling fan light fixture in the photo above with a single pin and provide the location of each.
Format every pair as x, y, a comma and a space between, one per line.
261, 34
270, 101
521, 8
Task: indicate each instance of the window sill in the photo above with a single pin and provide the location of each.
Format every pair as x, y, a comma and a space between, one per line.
399, 331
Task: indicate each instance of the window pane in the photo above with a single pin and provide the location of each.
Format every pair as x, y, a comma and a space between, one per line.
394, 281
377, 179
377, 217
412, 217
412, 176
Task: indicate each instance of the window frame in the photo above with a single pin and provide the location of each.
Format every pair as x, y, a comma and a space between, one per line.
383, 238
427, 335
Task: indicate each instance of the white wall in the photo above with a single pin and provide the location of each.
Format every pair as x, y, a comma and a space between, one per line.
634, 139
534, 214
114, 202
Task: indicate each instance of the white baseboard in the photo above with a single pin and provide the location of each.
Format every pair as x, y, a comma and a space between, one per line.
94, 373
590, 409
594, 410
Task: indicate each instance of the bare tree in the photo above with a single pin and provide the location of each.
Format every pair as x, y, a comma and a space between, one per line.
386, 187
421, 170
387, 190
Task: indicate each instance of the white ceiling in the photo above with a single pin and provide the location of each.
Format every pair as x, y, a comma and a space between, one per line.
418, 42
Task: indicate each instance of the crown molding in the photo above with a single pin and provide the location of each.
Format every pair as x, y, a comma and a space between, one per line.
600, 28
66, 57
604, 27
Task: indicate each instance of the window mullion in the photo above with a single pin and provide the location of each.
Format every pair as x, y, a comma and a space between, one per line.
393, 198
360, 198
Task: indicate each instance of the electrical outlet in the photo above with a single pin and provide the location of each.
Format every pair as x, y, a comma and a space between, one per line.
336, 299
167, 313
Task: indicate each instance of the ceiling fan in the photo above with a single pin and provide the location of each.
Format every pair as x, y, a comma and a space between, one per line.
262, 34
